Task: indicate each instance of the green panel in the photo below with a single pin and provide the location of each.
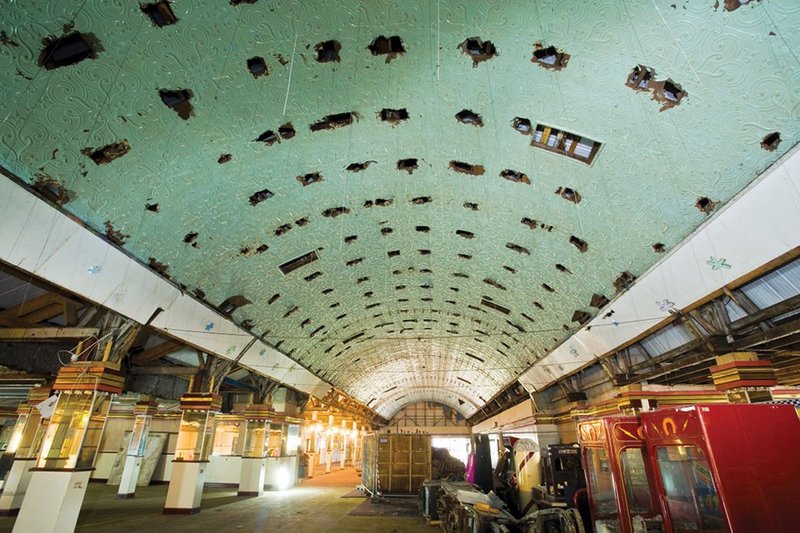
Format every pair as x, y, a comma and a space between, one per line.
738, 69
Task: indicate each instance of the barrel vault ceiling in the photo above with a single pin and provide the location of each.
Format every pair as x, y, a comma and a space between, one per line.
215, 141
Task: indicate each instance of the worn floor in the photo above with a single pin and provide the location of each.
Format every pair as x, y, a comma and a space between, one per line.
315, 506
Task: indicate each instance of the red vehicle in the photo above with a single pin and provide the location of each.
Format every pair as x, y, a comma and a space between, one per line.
619, 476
731, 468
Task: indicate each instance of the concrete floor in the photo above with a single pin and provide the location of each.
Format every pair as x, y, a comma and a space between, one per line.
315, 506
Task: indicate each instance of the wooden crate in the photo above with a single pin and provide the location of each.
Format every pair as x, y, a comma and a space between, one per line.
404, 462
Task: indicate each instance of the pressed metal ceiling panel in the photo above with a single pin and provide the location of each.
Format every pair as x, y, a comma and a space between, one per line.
428, 250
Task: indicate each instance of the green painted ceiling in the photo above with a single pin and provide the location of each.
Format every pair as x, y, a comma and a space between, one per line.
407, 296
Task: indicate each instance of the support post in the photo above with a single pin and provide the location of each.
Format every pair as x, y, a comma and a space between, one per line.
143, 412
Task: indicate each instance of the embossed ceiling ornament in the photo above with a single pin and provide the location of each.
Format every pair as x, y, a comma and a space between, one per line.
292, 94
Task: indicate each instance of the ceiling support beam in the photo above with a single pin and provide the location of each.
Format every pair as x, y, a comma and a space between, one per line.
46, 333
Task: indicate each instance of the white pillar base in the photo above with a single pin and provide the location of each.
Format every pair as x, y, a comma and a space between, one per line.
312, 462
16, 485
185, 490
328, 461
53, 501
130, 474
251, 479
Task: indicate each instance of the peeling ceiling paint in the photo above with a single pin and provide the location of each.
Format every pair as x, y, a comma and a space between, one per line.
217, 142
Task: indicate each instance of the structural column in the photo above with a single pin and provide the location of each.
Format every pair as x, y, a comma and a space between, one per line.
143, 412
195, 438
66, 460
23, 447
254, 453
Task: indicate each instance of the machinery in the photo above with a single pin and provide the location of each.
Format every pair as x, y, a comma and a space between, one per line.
563, 475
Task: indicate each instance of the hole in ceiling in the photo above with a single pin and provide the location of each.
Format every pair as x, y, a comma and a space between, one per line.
159, 13
68, 50
290, 312
394, 116
178, 101
549, 57
581, 317
283, 230
286, 131
373, 306
491, 305
334, 121
464, 256
409, 165
513, 175
350, 239
224, 158
305, 322
313, 276
108, 153
668, 93
232, 304
341, 316
465, 116
522, 125
538, 305
705, 205
494, 284
565, 143
334, 305
249, 251
526, 317
328, 290
260, 196
354, 262
152, 207
533, 224
659, 248
771, 141
548, 288
393, 253
510, 269
391, 47
426, 271
562, 268
465, 234
191, 238
161, 268
386, 231
471, 205
328, 51
466, 168
273, 298
460, 275
623, 281
308, 179
53, 190
422, 229
358, 167
115, 236
354, 337
316, 331
269, 138
454, 289
568, 194
302, 222
334, 212
464, 380
598, 300
517, 248
247, 324
238, 2
580, 244
399, 287
640, 77
297, 262
420, 200
515, 326
478, 50
257, 66
362, 279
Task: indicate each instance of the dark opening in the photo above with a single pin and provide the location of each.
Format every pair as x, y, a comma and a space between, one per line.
268, 137
107, 153
308, 179
659, 248
538, 305
68, 50
465, 234
391, 47
623, 281
290, 312
286, 131
393, 253
362, 279
330, 122
161, 268
640, 77
273, 298
334, 212
383, 202
706, 205
237, 2
191, 238
550, 58
152, 207
358, 167
464, 256
494, 284
579, 244
297, 262
522, 125
478, 50
350, 239
260, 196
517, 248
771, 141
224, 158
160, 14
471, 205
257, 67
114, 235
328, 51
496, 307
424, 252
460, 275
283, 230
569, 194
420, 200
515, 176
548, 288
562, 268
302, 221
232, 304
386, 231
465, 116
581, 317
466, 168
598, 301
178, 101
409, 165
422, 229
313, 276
393, 115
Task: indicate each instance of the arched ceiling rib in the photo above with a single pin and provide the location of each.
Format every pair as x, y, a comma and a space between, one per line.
218, 148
